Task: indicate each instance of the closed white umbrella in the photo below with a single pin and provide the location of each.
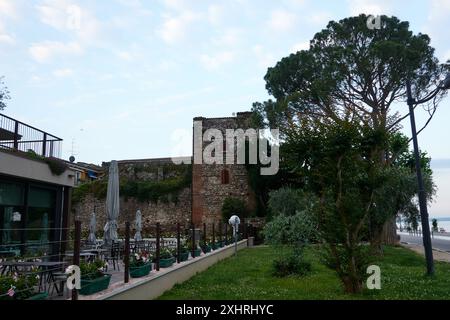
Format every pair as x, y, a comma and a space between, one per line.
112, 204
92, 226
138, 226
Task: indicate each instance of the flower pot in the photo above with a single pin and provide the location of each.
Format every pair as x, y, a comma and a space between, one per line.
197, 252
89, 287
39, 296
216, 246
184, 256
166, 263
206, 248
141, 271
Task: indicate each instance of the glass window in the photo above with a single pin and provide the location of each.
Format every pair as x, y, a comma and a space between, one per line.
11, 224
11, 194
41, 208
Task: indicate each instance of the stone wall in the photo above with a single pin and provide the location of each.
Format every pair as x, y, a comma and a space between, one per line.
209, 192
176, 209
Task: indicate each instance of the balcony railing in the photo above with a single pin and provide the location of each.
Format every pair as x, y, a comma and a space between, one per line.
16, 135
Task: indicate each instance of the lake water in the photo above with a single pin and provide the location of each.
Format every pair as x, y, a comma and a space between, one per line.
441, 224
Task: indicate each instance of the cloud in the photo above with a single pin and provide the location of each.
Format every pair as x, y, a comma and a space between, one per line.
6, 38
281, 20
215, 14
370, 7
214, 62
8, 9
437, 25
228, 38
63, 73
320, 18
174, 28
264, 58
44, 51
301, 46
66, 16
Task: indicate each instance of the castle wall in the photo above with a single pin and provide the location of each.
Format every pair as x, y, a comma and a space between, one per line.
208, 190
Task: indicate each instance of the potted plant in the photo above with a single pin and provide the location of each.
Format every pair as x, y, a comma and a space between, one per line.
206, 246
197, 251
140, 264
93, 277
217, 245
184, 252
166, 259
21, 287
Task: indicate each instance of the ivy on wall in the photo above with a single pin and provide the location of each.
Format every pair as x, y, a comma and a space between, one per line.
144, 191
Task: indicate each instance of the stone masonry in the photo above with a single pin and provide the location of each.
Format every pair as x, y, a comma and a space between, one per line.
200, 203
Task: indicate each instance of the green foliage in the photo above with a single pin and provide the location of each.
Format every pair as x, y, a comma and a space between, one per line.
140, 259
434, 224
96, 188
4, 94
165, 253
154, 191
296, 230
250, 274
234, 206
22, 284
56, 166
287, 202
92, 270
290, 264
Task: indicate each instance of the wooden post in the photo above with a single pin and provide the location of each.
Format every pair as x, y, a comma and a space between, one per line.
178, 244
204, 234
226, 234
126, 258
213, 235
158, 248
76, 253
193, 241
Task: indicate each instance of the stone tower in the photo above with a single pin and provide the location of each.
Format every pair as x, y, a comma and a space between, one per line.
213, 183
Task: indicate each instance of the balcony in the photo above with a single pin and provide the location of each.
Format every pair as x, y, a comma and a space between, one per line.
18, 136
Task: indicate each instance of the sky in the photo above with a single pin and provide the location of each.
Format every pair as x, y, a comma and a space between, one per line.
123, 79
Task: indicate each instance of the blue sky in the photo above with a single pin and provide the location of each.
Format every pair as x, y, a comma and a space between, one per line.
123, 79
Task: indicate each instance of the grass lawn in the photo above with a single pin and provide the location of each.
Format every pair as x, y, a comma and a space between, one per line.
249, 277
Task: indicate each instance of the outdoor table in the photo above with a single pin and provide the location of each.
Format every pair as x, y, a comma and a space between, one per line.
88, 256
98, 252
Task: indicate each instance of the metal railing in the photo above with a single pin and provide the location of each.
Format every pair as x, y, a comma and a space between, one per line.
16, 135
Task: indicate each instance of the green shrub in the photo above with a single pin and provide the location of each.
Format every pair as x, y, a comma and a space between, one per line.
291, 264
92, 270
21, 285
165, 254
234, 206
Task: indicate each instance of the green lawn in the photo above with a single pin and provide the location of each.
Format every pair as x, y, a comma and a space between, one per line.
249, 277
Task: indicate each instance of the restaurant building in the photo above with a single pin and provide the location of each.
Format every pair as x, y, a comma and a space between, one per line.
35, 189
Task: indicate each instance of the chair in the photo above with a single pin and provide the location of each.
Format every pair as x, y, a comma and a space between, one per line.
113, 255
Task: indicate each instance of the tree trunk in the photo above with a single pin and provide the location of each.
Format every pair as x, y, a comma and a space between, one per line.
389, 234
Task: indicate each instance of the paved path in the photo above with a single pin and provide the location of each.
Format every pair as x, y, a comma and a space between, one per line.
441, 246
440, 243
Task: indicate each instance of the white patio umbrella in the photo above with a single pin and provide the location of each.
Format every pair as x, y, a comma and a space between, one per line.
112, 204
138, 226
92, 226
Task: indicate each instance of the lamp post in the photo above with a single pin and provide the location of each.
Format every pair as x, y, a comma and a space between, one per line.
426, 237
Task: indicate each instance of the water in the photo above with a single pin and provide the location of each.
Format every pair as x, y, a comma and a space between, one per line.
441, 224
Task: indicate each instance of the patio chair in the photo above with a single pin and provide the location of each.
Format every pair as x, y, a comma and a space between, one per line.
113, 255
